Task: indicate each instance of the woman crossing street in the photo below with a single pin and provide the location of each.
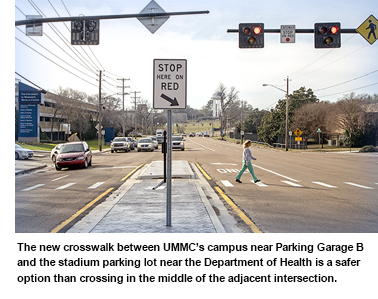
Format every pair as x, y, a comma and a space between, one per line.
247, 157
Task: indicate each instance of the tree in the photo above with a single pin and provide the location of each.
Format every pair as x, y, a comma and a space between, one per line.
253, 120
226, 98
274, 122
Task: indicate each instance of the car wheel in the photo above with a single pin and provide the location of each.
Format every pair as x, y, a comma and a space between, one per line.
53, 159
112, 151
90, 162
57, 168
17, 156
85, 164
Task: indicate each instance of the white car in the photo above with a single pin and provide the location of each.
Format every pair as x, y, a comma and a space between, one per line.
23, 153
120, 144
178, 143
55, 152
145, 144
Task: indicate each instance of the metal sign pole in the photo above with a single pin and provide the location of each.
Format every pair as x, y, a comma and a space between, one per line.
169, 166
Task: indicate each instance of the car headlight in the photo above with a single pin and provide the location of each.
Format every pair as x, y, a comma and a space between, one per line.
81, 158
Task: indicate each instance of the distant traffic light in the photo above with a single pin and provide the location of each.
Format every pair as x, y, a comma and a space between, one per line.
85, 32
251, 35
327, 35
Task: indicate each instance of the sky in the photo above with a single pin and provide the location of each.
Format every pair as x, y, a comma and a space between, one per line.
127, 49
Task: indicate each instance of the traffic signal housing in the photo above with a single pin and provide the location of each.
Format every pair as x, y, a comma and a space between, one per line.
85, 32
251, 35
327, 35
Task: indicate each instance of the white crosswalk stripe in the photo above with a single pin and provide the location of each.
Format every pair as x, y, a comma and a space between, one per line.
65, 186
292, 184
357, 185
33, 187
94, 186
325, 185
226, 183
260, 184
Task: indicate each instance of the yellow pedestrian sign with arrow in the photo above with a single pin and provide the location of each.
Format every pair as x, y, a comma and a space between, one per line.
368, 29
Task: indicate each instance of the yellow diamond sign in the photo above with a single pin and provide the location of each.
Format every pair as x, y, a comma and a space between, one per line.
368, 29
298, 132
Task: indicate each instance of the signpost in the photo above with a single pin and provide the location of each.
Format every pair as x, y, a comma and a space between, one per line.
169, 92
287, 34
368, 29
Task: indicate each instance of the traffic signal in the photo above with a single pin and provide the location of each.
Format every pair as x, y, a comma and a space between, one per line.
85, 32
327, 35
251, 35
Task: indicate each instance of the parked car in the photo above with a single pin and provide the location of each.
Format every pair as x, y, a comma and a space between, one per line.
160, 139
192, 135
131, 142
55, 151
145, 144
183, 135
120, 144
199, 134
178, 142
154, 140
74, 154
23, 153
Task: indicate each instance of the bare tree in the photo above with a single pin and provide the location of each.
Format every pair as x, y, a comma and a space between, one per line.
226, 98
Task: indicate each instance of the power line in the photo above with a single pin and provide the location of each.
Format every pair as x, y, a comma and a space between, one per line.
347, 81
349, 90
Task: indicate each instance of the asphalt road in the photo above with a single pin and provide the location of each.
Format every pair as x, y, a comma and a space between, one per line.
46, 198
299, 191
312, 192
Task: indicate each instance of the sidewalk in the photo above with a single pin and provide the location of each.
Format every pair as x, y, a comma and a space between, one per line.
136, 208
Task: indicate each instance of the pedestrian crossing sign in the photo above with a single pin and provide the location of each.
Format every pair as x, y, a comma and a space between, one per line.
298, 132
368, 29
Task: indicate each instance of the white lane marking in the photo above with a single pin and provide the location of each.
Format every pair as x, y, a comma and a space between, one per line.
324, 185
294, 180
33, 187
60, 178
114, 167
65, 186
94, 186
356, 185
210, 149
227, 183
228, 170
292, 184
260, 184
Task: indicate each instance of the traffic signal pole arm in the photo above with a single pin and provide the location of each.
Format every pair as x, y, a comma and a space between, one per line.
352, 31
103, 17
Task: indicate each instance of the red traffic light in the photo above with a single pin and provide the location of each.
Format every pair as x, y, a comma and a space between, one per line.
334, 29
257, 30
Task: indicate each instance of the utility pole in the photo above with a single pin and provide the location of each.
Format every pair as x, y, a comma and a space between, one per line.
99, 115
287, 115
135, 102
123, 104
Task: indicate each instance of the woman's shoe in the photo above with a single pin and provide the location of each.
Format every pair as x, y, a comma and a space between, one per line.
239, 181
257, 181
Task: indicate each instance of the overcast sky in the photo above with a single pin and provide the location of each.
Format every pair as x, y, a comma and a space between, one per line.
127, 49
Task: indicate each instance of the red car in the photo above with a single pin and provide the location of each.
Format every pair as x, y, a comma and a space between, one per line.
74, 154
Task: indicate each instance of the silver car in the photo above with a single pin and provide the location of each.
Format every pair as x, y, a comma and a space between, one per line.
145, 144
178, 143
155, 141
23, 153
120, 144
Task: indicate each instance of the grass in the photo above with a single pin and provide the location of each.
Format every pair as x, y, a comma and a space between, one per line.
93, 144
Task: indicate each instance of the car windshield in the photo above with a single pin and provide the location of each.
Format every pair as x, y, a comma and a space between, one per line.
145, 140
176, 138
18, 146
153, 138
119, 139
72, 148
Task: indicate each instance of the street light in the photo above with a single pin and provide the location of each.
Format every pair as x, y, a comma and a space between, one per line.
287, 111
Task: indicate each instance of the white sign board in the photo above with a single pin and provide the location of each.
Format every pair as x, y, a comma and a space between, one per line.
287, 34
169, 84
153, 23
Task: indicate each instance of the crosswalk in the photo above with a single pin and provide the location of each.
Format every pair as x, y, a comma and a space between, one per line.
227, 183
63, 186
